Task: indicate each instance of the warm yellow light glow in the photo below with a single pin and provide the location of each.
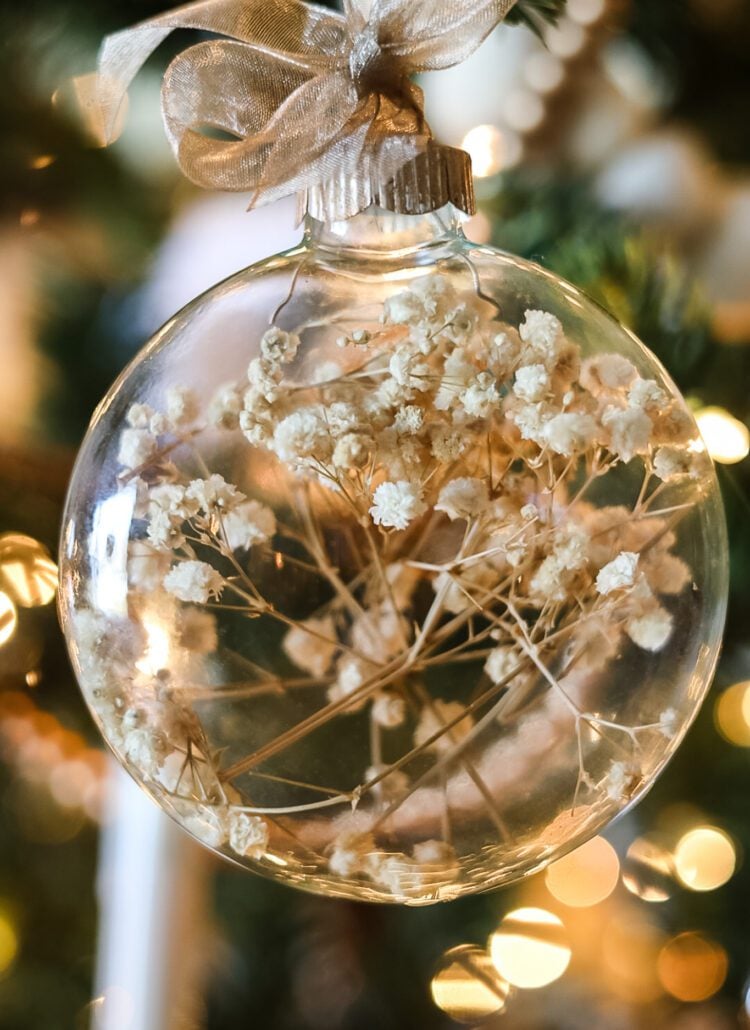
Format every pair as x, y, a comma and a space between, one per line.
467, 986
156, 653
478, 229
27, 573
8, 943
8, 618
727, 439
586, 876
692, 967
529, 949
732, 714
630, 946
42, 161
704, 858
32, 583
647, 871
486, 147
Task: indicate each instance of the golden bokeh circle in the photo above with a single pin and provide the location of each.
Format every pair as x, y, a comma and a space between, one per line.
467, 986
529, 948
704, 858
648, 871
8, 618
692, 967
586, 876
27, 572
732, 714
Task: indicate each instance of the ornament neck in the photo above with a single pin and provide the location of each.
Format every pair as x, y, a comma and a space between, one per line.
377, 231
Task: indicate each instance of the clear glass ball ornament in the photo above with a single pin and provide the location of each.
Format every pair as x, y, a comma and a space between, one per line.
393, 567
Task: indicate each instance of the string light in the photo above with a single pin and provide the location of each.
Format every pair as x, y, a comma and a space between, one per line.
726, 438
543, 71
529, 948
46, 754
41, 161
586, 876
523, 110
8, 943
732, 714
467, 986
630, 946
692, 967
584, 12
565, 39
490, 149
647, 871
704, 858
27, 572
8, 618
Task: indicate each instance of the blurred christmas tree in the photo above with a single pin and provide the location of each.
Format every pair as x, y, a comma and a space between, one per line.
78, 228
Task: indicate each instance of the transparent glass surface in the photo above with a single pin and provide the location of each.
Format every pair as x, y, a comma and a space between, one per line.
393, 567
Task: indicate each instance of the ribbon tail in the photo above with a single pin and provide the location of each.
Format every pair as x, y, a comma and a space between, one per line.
435, 34
311, 34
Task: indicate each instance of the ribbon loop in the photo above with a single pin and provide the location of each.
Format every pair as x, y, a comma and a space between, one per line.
312, 100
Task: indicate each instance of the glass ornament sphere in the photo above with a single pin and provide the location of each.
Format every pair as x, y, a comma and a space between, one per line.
393, 567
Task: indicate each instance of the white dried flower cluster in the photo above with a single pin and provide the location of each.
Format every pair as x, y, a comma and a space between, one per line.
453, 459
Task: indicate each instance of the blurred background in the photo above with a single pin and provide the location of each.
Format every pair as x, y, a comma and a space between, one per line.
615, 151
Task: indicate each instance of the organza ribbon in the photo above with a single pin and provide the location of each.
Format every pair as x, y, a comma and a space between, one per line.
294, 97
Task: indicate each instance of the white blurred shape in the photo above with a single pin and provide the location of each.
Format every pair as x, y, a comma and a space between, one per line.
154, 944
210, 240
666, 176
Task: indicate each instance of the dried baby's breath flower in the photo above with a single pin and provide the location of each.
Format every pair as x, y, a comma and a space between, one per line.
617, 574
312, 644
247, 524
182, 405
397, 504
463, 498
137, 448
194, 581
248, 834
673, 463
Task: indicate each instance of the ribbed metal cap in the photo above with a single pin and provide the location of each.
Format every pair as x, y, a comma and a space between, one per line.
436, 176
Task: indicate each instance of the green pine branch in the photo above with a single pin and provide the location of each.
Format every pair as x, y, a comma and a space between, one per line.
535, 14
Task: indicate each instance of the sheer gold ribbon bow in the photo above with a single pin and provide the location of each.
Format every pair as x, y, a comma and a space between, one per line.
296, 97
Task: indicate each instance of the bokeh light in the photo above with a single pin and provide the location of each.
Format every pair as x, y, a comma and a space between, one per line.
566, 39
732, 714
8, 618
543, 71
586, 876
467, 986
648, 871
704, 858
27, 572
726, 438
8, 943
630, 946
585, 12
523, 110
486, 145
529, 949
692, 967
